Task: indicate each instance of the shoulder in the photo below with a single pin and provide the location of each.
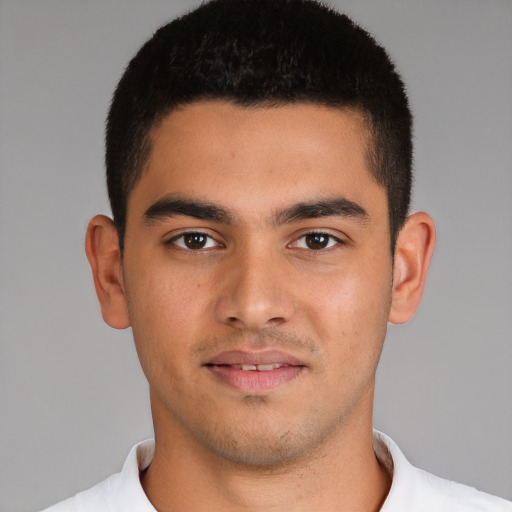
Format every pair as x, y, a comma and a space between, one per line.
97, 498
415, 490
454, 497
121, 492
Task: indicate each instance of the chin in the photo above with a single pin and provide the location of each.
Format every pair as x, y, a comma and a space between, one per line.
264, 446
256, 451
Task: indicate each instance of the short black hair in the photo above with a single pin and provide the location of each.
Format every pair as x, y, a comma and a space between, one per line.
261, 52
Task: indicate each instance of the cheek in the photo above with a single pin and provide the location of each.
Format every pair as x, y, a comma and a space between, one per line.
166, 308
164, 296
351, 307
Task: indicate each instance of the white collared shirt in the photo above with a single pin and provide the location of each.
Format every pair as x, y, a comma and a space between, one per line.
412, 490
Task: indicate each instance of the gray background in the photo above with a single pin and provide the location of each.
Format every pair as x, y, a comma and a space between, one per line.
72, 396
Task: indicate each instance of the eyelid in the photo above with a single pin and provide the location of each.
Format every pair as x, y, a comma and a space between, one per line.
336, 238
176, 236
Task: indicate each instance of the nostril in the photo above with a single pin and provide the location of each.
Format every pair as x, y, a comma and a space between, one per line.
234, 321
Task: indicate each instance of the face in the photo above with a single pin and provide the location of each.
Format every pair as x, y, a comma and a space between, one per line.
257, 275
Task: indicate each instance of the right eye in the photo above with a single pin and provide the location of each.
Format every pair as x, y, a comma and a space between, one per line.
194, 241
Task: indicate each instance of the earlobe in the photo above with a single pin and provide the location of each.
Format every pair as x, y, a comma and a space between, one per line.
104, 255
413, 251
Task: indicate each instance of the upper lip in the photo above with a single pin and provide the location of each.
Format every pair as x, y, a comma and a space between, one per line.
237, 357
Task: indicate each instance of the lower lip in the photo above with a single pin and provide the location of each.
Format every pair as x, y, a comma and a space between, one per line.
254, 381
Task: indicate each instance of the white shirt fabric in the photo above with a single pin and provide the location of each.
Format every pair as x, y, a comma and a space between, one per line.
412, 490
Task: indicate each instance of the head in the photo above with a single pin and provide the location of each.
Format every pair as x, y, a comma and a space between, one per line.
258, 160
266, 53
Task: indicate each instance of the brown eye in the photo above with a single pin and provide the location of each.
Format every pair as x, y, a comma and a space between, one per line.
194, 241
317, 241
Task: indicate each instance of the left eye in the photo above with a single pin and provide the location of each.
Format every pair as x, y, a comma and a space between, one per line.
194, 241
316, 241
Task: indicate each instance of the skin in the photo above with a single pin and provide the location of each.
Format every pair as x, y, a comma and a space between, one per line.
257, 286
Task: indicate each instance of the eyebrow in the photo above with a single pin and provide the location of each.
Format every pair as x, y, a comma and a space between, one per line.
173, 207
169, 207
331, 207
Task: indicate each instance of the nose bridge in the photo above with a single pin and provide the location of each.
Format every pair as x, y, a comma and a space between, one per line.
254, 294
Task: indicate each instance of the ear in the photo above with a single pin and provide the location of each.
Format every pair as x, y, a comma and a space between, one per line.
413, 251
104, 255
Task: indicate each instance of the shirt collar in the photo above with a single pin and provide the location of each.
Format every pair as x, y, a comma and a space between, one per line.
389, 455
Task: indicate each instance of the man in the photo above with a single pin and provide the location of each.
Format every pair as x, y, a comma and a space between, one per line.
259, 172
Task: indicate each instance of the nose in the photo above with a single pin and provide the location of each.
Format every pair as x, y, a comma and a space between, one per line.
254, 292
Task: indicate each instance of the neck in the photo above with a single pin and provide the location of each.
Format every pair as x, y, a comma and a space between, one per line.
342, 474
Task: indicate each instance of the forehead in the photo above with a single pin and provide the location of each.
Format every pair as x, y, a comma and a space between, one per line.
296, 124
245, 156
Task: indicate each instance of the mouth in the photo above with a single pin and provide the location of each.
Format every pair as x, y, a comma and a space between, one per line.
253, 372
257, 367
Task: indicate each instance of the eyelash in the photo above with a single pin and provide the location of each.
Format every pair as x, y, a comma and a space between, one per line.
332, 241
174, 239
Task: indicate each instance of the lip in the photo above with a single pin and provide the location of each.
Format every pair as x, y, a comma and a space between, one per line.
254, 357
226, 367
